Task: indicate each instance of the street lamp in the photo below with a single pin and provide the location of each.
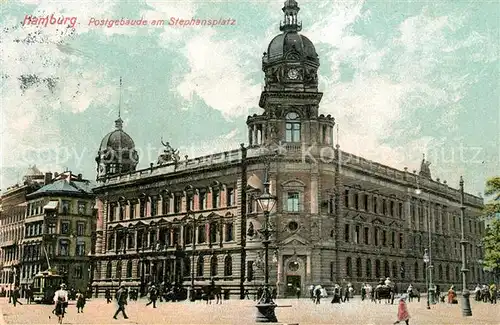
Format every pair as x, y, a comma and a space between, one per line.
466, 309
431, 289
266, 305
426, 262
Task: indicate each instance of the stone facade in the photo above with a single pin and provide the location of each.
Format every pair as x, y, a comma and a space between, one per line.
339, 218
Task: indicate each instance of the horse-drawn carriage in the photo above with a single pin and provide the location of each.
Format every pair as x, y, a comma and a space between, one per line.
384, 291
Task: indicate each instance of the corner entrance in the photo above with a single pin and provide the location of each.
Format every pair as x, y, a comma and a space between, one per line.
292, 283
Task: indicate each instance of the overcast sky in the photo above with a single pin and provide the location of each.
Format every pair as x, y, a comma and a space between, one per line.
401, 78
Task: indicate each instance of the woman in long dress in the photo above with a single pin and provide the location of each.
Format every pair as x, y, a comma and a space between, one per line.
61, 301
451, 295
403, 314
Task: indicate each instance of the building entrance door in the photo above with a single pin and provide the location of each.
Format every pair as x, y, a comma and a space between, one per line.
292, 283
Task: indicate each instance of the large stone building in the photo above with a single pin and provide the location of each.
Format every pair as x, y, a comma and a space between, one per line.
339, 217
58, 228
12, 215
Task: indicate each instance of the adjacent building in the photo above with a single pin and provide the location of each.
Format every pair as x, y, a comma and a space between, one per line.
12, 215
58, 228
340, 218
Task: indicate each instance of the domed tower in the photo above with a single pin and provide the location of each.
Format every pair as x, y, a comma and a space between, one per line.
290, 98
117, 152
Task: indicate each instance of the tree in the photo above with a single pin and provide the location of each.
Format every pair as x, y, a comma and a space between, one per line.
491, 240
492, 189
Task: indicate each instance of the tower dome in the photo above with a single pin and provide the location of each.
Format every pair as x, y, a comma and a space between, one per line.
116, 153
291, 62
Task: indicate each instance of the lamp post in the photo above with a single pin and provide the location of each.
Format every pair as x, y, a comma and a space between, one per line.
466, 309
426, 262
431, 289
266, 305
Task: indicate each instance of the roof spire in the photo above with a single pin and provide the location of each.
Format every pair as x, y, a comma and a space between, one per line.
290, 23
119, 121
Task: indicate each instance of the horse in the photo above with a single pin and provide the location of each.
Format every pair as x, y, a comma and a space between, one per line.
413, 293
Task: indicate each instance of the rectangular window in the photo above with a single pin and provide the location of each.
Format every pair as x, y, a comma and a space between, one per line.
65, 207
293, 202
201, 234
64, 248
80, 229
346, 233
132, 210
80, 249
64, 227
165, 205
346, 198
366, 201
393, 240
400, 210
400, 241
375, 206
367, 235
189, 203
215, 199
213, 232
202, 201
292, 132
384, 238
356, 201
112, 212
154, 206
375, 236
230, 197
51, 228
229, 231
82, 207
358, 231
177, 203
78, 272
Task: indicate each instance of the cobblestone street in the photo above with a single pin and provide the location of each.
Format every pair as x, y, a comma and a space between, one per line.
240, 312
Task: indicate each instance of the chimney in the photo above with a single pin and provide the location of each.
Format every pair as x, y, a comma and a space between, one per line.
79, 177
48, 178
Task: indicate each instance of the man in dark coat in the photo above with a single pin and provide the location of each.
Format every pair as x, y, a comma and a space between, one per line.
153, 296
121, 299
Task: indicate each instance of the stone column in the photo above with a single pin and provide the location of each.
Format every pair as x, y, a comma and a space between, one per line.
250, 137
255, 140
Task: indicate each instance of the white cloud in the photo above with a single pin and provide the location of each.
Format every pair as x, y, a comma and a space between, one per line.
225, 142
217, 76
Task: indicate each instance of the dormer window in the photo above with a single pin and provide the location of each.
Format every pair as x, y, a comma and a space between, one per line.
292, 129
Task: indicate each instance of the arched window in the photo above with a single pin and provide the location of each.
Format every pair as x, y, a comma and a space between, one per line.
200, 266
118, 272
403, 270
292, 131
387, 271
377, 268
368, 268
416, 271
440, 273
108, 270
447, 274
129, 269
394, 270
359, 270
213, 266
228, 266
348, 266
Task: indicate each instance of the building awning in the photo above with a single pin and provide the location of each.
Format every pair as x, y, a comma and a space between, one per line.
52, 205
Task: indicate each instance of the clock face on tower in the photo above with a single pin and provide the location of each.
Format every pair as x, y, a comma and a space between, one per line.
293, 74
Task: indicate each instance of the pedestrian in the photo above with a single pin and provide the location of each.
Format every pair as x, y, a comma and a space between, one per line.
346, 294
107, 295
61, 302
297, 292
218, 294
452, 296
29, 295
247, 294
121, 300
403, 314
80, 301
363, 292
153, 296
15, 297
311, 291
317, 293
493, 293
